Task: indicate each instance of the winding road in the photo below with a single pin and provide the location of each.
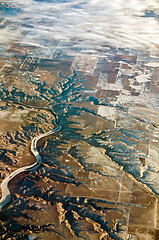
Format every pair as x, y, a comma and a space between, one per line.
6, 195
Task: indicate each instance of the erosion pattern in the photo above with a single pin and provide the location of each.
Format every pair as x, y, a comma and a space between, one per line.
6, 196
65, 184
73, 210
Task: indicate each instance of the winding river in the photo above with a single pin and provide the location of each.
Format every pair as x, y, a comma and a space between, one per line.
6, 195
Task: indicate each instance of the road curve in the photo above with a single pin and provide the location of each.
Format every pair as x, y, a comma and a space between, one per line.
6, 195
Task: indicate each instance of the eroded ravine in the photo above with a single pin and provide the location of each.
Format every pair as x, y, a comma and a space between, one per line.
83, 142
6, 195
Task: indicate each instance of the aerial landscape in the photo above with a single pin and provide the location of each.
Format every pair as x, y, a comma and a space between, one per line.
79, 119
